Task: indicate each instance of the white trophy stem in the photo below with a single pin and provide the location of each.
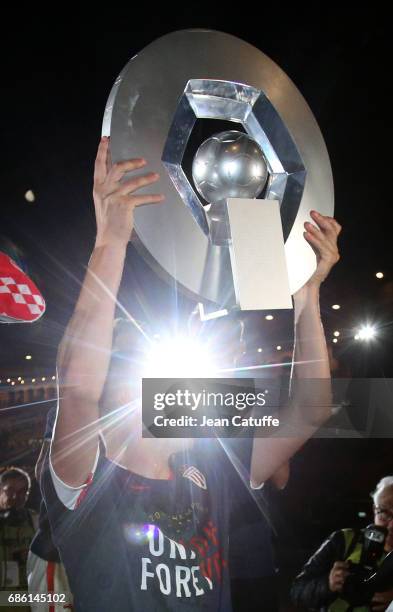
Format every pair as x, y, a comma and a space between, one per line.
258, 261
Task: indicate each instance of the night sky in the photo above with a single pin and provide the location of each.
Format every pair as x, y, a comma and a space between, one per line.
56, 83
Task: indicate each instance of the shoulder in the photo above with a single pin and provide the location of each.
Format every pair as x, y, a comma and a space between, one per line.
340, 537
333, 544
70, 497
344, 537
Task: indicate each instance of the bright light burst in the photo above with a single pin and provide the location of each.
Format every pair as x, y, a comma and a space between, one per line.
366, 333
178, 357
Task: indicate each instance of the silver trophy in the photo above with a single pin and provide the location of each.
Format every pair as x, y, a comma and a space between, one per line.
232, 234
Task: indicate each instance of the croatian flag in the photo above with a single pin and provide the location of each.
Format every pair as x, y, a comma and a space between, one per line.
20, 300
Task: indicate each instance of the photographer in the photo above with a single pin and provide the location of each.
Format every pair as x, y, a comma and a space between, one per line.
324, 582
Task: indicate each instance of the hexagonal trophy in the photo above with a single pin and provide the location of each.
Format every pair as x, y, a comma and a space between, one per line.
231, 228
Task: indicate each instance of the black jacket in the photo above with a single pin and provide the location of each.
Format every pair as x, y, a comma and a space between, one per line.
311, 587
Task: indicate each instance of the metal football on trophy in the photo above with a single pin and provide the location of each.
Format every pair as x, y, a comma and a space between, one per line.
232, 234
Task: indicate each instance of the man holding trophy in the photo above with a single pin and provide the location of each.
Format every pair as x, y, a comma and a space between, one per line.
144, 525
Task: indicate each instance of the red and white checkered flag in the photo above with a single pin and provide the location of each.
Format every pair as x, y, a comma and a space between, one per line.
20, 300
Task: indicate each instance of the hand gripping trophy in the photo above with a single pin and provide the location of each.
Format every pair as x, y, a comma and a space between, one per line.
229, 232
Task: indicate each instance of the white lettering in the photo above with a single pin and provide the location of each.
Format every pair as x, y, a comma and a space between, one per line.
170, 399
175, 546
182, 581
159, 404
160, 538
164, 589
145, 573
197, 398
198, 591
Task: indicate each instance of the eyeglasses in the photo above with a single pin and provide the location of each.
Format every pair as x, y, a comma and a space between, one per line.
384, 515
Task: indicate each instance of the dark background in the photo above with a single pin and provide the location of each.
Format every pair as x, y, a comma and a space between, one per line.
56, 77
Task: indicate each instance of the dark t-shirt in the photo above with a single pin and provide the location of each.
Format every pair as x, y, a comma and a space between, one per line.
134, 543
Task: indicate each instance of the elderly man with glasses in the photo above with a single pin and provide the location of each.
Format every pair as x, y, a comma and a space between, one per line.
321, 583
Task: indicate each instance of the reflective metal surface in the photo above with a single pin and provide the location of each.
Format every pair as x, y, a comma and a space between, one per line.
151, 112
229, 165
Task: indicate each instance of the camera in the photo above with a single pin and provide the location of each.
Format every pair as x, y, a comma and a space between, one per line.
358, 587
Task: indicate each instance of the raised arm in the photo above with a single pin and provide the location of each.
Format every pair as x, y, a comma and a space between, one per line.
310, 395
84, 353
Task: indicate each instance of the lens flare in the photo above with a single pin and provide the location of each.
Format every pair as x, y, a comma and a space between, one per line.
178, 357
366, 333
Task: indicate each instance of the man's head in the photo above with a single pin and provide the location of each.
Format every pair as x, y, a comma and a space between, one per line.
14, 489
223, 336
383, 508
120, 414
